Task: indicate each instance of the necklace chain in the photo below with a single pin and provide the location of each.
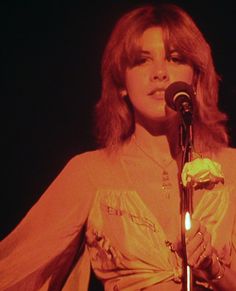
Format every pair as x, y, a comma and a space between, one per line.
150, 157
166, 183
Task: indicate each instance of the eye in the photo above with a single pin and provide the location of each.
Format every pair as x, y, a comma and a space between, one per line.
176, 58
142, 59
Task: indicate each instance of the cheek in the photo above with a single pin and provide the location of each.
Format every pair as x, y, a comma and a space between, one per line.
188, 75
135, 80
182, 74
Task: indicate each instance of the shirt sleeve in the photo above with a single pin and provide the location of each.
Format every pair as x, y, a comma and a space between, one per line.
49, 239
231, 176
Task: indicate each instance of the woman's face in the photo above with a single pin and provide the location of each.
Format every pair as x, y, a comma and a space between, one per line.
147, 80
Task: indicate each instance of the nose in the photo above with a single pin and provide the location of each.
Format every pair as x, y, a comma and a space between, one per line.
159, 72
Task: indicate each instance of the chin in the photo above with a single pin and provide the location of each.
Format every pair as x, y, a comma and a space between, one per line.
170, 112
152, 119
156, 116
163, 115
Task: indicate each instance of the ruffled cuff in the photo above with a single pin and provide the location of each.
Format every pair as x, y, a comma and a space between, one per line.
202, 173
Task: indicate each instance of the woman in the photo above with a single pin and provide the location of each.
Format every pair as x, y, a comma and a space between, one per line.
117, 209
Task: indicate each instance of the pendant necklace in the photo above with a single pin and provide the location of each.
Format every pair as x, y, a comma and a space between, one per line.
166, 183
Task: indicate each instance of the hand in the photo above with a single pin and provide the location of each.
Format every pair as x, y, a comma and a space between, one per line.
198, 246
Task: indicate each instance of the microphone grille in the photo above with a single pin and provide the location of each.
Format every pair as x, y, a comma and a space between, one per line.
173, 89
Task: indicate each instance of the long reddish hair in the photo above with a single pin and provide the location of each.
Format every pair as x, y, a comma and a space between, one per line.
114, 115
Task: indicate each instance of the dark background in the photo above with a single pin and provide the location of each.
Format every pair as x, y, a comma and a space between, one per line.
50, 81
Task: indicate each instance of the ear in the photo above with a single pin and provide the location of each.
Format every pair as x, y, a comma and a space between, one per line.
123, 93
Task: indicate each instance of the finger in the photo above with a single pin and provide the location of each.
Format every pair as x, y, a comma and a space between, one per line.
206, 257
202, 257
194, 244
197, 256
195, 227
195, 241
202, 229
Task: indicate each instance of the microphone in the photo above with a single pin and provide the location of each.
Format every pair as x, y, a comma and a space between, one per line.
178, 96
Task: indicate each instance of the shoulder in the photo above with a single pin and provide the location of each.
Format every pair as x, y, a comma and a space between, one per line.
88, 159
228, 152
94, 163
227, 159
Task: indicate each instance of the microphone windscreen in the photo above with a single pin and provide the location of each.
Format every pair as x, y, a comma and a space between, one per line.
177, 89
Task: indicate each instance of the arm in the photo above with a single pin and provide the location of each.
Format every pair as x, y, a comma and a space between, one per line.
228, 279
44, 244
204, 262
211, 210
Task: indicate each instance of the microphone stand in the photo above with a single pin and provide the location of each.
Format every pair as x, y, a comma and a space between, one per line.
186, 193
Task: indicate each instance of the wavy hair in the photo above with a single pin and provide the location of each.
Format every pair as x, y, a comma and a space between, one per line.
114, 114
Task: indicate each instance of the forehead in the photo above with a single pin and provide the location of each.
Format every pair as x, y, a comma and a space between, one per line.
152, 39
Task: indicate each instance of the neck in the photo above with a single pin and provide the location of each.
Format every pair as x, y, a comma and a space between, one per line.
155, 143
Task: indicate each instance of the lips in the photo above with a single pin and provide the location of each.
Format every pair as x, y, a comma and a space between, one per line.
155, 90
157, 93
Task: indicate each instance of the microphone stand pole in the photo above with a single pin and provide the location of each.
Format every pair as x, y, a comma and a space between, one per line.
186, 193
